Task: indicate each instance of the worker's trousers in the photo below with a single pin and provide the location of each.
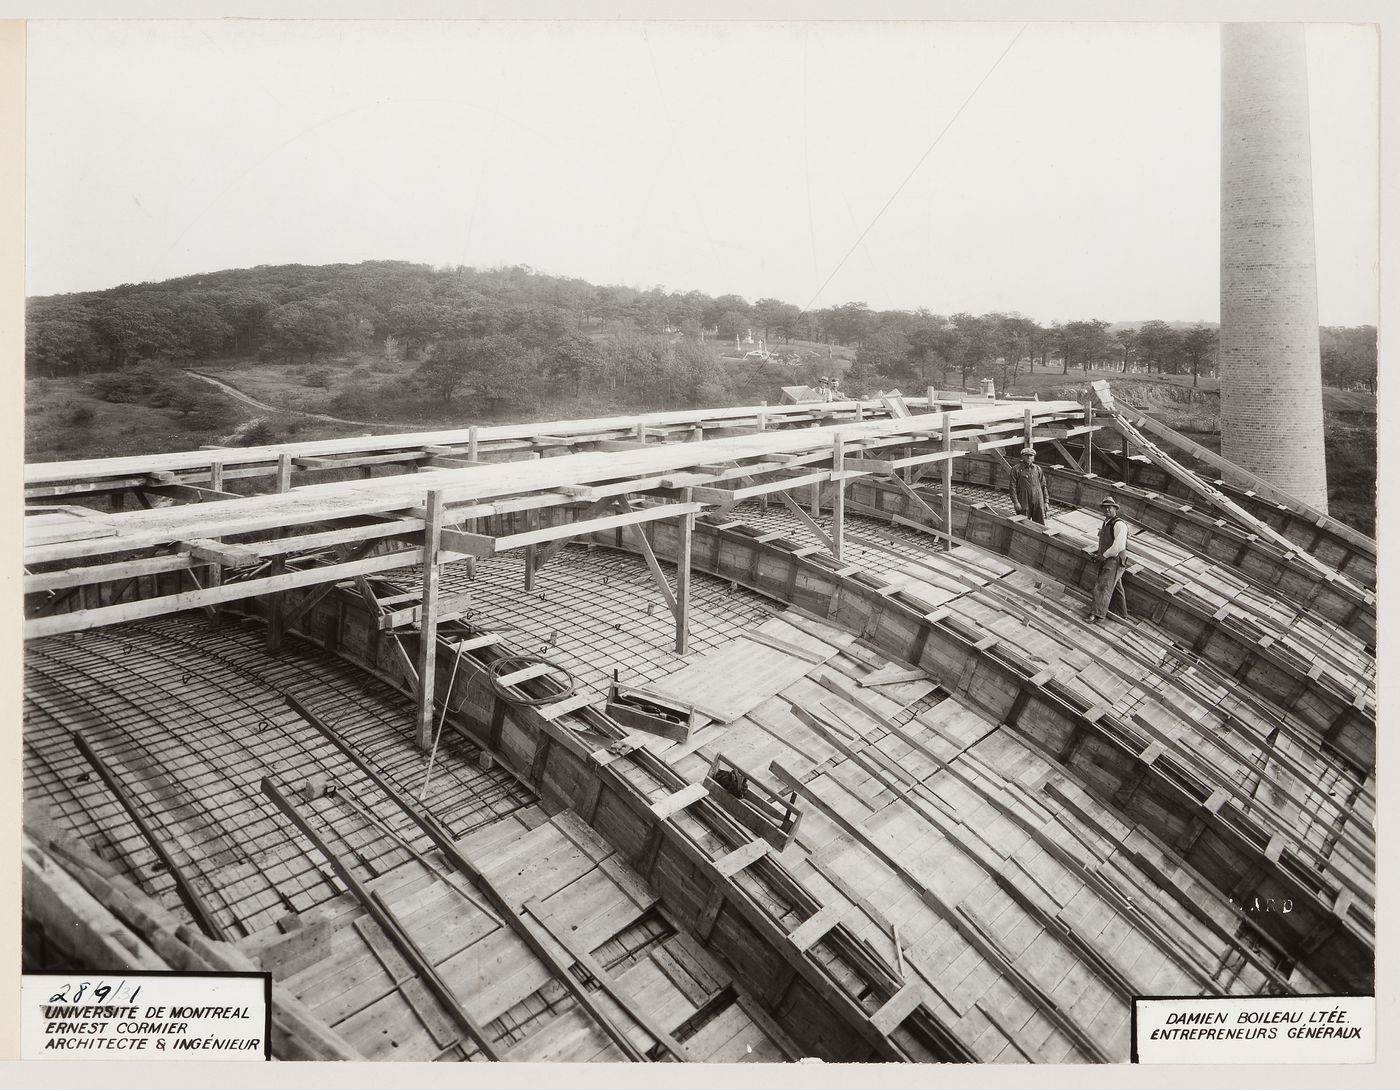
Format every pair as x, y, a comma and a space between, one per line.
1110, 579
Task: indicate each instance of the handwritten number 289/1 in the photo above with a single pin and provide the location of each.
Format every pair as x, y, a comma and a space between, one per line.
100, 993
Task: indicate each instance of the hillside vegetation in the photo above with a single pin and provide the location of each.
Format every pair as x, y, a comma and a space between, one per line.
397, 345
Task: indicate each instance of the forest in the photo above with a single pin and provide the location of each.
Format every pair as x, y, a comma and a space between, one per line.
514, 334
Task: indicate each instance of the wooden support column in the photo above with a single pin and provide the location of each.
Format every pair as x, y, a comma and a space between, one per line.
284, 472
1127, 462
275, 608
216, 476
532, 522
427, 636
1087, 462
473, 444
948, 482
1030, 429
683, 578
838, 496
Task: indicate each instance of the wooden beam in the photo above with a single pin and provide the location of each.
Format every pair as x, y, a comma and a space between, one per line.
621, 996
216, 552
838, 497
947, 482
85, 619
427, 637
687, 532
275, 608
190, 492
203, 917
796, 508
644, 546
1256, 484
398, 935
103, 573
577, 529
1214, 495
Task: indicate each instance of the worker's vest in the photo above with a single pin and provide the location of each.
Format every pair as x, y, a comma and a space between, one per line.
1106, 533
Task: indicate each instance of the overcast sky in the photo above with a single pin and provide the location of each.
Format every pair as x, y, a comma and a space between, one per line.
1062, 170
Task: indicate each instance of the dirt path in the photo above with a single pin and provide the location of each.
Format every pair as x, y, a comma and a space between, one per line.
239, 395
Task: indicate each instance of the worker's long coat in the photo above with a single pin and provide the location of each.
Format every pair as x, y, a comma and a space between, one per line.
1028, 491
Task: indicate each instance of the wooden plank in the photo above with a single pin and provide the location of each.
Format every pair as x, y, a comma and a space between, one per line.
591, 965
811, 930
741, 857
377, 908
427, 639
897, 1008
679, 800
83, 620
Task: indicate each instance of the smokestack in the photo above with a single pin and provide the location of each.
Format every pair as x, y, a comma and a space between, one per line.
1270, 370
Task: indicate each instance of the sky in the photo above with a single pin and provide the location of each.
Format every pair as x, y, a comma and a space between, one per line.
1062, 170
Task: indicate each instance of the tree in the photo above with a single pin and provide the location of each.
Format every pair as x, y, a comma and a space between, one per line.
928, 344
733, 324
1198, 345
1126, 340
490, 368
775, 316
715, 310
1349, 357
59, 340
849, 323
1158, 344
572, 358
312, 327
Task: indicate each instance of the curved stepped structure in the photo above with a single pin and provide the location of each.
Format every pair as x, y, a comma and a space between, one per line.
899, 803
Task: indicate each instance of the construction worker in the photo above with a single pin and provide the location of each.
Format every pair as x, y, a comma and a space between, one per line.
1113, 555
1028, 492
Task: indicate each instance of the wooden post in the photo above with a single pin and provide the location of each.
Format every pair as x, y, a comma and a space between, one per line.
1127, 465
1030, 430
908, 470
932, 403
816, 498
763, 426
641, 432
683, 577
948, 481
532, 521
427, 637
216, 476
1087, 461
274, 608
860, 411
473, 445
284, 472
838, 496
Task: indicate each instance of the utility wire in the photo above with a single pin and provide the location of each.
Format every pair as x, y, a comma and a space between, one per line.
915, 169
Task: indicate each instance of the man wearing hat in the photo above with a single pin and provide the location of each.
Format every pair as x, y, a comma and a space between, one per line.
1112, 554
1028, 492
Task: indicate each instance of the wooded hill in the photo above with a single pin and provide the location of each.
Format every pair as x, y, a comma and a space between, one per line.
496, 332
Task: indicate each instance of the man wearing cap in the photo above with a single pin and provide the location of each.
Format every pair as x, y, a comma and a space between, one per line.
1028, 492
1112, 554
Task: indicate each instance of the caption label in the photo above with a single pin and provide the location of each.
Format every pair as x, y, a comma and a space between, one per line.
144, 1016
1256, 1030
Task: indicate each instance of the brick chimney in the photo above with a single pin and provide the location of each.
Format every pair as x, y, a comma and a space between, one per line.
1270, 371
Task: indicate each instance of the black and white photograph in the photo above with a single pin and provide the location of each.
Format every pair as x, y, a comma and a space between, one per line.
700, 540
